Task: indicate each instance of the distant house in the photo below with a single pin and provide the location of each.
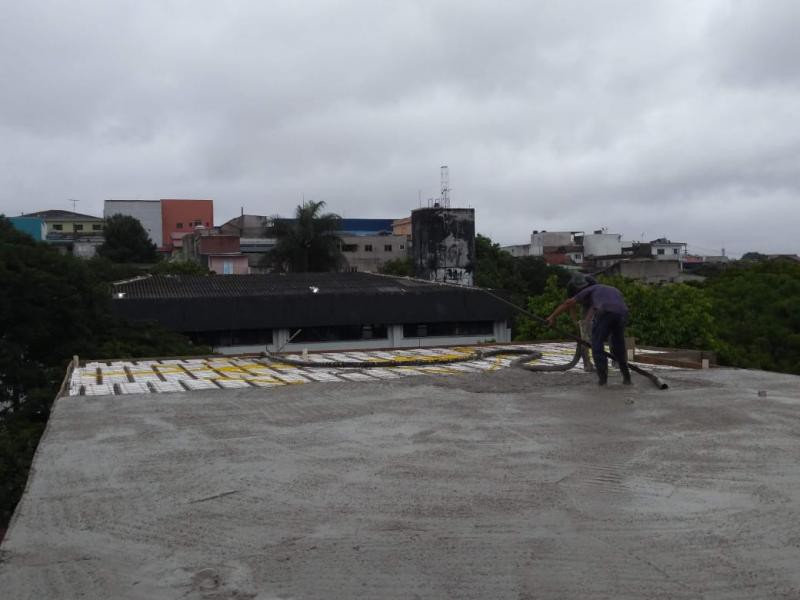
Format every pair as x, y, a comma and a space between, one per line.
314, 310
368, 253
664, 249
33, 226
217, 252
367, 244
71, 232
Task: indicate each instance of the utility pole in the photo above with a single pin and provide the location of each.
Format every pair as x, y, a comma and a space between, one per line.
74, 203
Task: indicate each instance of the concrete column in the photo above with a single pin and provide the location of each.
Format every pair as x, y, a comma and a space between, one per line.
394, 333
279, 337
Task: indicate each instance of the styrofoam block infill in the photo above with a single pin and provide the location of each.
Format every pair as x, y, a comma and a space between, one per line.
357, 376
99, 389
266, 382
167, 386
320, 376
199, 384
291, 377
233, 383
385, 373
134, 388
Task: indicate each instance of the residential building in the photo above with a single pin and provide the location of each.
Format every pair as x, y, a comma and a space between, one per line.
664, 249
33, 226
443, 244
369, 253
600, 243
313, 310
217, 252
402, 226
71, 232
647, 270
179, 217
366, 243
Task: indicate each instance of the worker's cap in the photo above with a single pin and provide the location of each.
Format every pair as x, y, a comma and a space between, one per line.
577, 282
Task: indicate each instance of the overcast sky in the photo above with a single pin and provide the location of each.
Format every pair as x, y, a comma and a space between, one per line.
651, 118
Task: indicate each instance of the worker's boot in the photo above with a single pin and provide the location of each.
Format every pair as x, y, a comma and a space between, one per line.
602, 377
626, 374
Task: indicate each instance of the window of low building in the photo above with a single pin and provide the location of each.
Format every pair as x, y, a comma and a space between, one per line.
349, 247
450, 328
367, 247
402, 247
342, 333
660, 251
674, 250
387, 247
97, 227
58, 227
178, 225
78, 227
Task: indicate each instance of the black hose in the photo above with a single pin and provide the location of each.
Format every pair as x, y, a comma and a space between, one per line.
659, 383
478, 354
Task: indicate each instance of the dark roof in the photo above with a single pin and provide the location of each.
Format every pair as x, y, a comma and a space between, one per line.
209, 303
62, 215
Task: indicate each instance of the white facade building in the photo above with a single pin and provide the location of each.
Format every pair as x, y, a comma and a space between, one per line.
147, 212
664, 249
602, 244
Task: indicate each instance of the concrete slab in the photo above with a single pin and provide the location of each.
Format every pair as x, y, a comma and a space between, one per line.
504, 484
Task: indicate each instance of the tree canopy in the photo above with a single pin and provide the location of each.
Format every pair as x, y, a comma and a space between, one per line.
126, 241
54, 306
401, 267
307, 243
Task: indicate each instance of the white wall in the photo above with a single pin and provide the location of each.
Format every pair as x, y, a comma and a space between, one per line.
602, 244
147, 212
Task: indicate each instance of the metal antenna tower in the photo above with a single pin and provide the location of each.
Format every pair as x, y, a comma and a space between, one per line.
445, 178
74, 203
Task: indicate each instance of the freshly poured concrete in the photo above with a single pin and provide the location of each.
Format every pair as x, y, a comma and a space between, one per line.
500, 485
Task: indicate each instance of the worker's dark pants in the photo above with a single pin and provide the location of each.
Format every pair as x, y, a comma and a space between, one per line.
609, 325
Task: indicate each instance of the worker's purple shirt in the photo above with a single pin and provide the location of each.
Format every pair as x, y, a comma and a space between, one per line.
603, 298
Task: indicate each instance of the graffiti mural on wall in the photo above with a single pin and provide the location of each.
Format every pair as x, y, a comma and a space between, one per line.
444, 244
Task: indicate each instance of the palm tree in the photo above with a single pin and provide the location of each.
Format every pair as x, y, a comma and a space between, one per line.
307, 243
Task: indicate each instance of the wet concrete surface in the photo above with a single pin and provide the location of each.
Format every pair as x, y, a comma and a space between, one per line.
501, 485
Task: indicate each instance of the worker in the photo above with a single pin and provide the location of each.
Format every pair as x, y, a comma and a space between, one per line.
610, 317
577, 282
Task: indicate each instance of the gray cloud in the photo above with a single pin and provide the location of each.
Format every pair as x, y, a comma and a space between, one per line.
649, 118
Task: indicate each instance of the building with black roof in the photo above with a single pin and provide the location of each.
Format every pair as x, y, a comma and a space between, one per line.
244, 313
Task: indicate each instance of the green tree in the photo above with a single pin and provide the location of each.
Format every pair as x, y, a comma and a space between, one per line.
674, 316
401, 267
307, 243
54, 306
519, 278
757, 315
126, 241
